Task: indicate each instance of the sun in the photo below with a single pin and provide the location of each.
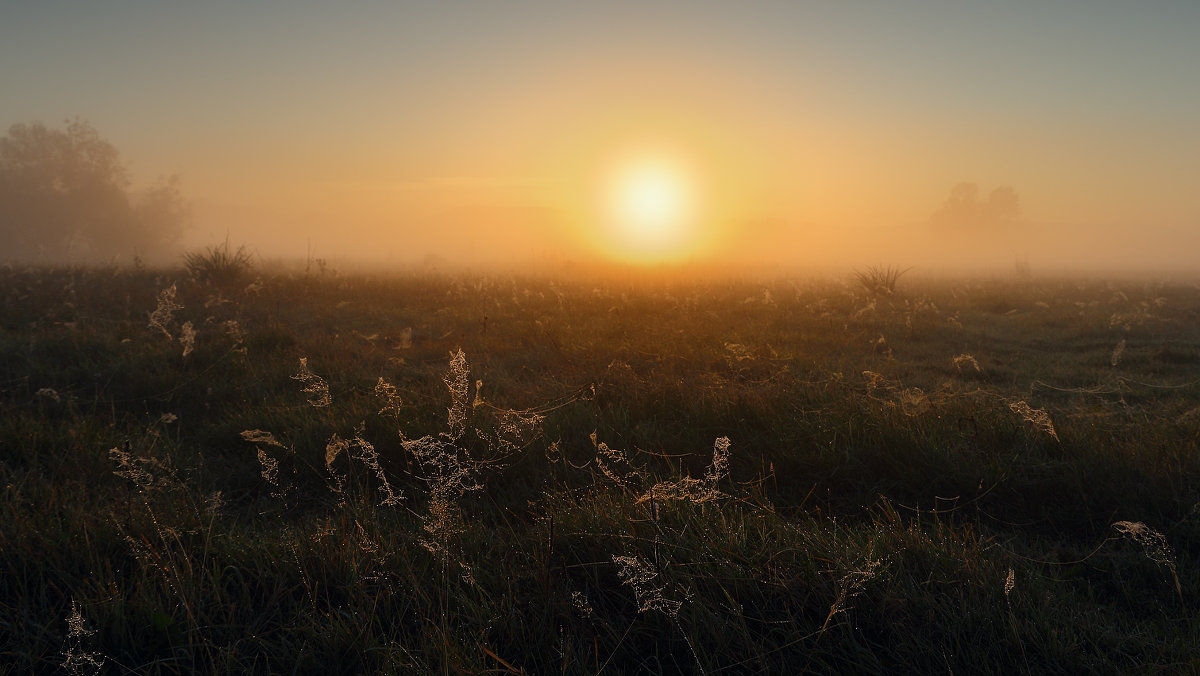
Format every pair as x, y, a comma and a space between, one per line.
651, 208
650, 200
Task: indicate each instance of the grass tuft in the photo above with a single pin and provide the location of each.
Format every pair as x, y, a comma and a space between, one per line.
879, 280
219, 266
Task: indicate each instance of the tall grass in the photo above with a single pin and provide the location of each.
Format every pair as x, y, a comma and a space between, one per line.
626, 494
220, 266
879, 280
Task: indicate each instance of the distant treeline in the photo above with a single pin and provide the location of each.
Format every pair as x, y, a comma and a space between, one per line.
65, 195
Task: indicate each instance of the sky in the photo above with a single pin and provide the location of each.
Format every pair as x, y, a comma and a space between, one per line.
790, 134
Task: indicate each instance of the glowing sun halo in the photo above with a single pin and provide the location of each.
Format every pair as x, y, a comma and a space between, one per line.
651, 208
650, 198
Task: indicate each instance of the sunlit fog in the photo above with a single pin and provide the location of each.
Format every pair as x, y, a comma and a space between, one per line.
782, 136
612, 337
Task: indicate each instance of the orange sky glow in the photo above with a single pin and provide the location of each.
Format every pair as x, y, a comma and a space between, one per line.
797, 135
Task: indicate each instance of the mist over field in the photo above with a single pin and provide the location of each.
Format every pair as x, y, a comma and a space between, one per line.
524, 239
629, 337
795, 136
958, 236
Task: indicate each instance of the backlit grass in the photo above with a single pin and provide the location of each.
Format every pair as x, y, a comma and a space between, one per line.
356, 474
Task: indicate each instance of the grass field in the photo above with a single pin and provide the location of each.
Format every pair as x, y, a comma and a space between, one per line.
319, 473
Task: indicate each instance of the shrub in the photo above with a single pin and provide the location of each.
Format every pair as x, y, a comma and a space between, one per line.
219, 265
879, 280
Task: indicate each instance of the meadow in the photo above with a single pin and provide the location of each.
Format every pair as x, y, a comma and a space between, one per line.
299, 471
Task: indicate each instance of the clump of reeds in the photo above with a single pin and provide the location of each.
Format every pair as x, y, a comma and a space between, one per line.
220, 265
879, 280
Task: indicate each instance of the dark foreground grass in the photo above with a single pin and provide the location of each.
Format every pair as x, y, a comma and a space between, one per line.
558, 498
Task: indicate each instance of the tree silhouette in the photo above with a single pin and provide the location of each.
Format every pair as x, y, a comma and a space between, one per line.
964, 209
65, 194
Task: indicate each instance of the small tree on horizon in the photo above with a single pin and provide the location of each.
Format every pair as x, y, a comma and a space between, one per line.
966, 209
64, 193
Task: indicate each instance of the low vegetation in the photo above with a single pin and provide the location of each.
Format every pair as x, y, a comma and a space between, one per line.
879, 280
220, 265
332, 474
